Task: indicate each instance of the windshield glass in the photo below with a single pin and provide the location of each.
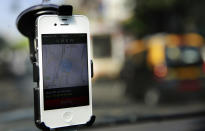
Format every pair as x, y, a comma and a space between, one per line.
148, 55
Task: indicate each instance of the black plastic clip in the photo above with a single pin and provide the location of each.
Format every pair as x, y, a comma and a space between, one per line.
65, 10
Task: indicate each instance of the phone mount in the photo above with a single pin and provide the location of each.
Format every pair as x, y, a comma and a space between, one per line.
26, 24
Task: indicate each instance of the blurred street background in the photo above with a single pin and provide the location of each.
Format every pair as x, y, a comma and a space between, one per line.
149, 60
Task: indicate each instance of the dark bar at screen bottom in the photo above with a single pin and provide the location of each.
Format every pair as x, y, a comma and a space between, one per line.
66, 97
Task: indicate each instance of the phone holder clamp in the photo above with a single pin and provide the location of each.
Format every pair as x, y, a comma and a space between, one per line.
26, 24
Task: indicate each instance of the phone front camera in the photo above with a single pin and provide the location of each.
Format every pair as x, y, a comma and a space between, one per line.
55, 24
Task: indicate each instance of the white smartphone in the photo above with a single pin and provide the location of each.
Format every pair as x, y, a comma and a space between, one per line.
64, 70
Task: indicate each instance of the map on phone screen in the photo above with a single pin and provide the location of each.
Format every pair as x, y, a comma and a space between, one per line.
65, 65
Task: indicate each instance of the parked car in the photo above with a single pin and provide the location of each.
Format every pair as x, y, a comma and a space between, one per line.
165, 66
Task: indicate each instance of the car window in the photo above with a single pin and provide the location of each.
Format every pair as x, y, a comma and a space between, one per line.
101, 46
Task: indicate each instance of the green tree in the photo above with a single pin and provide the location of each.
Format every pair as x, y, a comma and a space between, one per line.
172, 16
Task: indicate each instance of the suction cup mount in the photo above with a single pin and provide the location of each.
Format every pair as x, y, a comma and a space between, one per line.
26, 24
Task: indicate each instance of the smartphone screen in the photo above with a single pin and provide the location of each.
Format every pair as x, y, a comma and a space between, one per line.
65, 70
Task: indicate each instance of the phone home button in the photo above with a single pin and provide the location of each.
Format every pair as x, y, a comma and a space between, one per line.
67, 116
